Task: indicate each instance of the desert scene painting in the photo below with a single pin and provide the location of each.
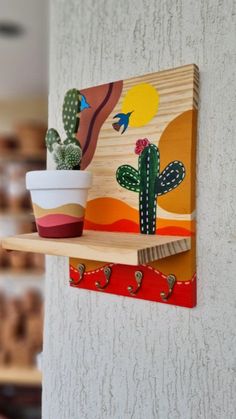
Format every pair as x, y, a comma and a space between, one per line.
139, 140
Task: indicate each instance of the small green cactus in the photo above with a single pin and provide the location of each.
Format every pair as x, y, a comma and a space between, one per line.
67, 157
67, 154
148, 181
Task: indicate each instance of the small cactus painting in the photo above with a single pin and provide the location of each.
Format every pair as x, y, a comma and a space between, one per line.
149, 182
68, 154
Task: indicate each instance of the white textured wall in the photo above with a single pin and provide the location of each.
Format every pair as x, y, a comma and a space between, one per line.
107, 357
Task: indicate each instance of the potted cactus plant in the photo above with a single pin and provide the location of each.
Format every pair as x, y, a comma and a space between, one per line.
59, 196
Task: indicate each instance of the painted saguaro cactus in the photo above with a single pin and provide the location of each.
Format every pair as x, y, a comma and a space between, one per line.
67, 154
149, 182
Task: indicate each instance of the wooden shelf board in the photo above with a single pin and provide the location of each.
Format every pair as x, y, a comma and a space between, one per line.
21, 214
125, 248
22, 273
18, 156
20, 376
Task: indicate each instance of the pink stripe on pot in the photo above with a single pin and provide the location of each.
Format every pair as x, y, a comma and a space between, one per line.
57, 219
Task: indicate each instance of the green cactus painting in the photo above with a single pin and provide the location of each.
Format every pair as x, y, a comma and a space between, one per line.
68, 154
149, 182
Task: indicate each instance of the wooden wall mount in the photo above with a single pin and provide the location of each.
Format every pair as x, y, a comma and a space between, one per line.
139, 140
158, 109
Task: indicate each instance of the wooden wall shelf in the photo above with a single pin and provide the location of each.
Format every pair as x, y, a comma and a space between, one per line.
23, 273
6, 214
124, 248
18, 156
20, 376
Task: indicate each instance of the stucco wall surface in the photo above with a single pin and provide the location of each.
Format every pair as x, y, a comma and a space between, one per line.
107, 357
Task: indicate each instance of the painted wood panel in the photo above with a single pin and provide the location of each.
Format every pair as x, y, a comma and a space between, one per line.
139, 141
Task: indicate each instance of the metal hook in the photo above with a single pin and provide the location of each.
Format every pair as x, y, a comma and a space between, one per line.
171, 280
81, 270
107, 272
139, 277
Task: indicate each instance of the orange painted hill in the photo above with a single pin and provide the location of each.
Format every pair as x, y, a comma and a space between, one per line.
110, 214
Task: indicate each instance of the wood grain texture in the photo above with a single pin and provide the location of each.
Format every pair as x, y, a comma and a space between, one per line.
20, 376
131, 249
114, 358
179, 90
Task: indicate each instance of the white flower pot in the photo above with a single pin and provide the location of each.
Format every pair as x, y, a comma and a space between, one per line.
59, 200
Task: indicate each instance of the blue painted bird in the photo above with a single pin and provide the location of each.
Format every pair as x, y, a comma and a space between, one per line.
84, 104
123, 121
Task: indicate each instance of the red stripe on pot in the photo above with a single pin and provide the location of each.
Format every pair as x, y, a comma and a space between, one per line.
72, 229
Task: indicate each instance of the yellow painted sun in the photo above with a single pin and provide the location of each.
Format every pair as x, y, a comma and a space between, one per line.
142, 100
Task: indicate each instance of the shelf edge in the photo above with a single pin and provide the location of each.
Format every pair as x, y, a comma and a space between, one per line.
154, 253
116, 254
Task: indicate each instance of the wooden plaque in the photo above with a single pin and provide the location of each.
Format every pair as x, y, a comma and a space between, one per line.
139, 140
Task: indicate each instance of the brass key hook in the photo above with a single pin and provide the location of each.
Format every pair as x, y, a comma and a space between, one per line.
81, 270
171, 280
107, 272
139, 277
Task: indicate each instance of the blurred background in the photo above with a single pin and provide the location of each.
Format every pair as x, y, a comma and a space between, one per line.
23, 122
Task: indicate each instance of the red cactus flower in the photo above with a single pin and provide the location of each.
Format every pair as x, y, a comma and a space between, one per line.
141, 145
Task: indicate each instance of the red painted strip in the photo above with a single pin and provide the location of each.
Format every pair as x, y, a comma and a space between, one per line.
121, 225
131, 227
60, 231
173, 231
153, 284
57, 219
